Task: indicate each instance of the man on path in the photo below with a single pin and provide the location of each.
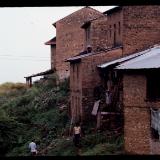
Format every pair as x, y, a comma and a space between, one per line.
33, 148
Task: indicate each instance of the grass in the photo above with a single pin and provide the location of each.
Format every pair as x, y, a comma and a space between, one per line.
34, 113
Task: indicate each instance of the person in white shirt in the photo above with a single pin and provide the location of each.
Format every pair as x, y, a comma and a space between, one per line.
33, 148
77, 134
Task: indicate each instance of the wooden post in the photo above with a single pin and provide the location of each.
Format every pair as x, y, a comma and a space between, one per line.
27, 81
98, 120
30, 84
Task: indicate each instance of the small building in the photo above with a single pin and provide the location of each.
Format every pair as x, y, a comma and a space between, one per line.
141, 100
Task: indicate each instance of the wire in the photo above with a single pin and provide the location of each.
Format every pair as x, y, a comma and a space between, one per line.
23, 59
8, 55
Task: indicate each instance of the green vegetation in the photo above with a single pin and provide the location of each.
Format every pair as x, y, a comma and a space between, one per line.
41, 113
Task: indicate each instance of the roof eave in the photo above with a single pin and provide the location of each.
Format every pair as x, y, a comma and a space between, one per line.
54, 24
115, 9
86, 24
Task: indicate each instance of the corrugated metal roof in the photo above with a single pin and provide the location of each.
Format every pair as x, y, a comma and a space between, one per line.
149, 60
120, 60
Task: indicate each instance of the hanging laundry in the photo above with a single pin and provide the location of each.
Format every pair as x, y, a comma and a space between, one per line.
108, 97
95, 108
155, 120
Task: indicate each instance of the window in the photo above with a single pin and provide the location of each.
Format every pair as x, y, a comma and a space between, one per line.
119, 28
73, 74
154, 134
77, 72
153, 86
87, 30
114, 34
110, 29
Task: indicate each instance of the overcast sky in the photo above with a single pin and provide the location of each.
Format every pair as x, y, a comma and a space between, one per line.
23, 32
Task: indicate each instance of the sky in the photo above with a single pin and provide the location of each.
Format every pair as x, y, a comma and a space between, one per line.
23, 32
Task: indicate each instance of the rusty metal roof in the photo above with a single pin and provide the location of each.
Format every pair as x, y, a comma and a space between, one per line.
50, 71
51, 41
149, 60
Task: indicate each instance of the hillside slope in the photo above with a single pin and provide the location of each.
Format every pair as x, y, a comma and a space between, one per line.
41, 112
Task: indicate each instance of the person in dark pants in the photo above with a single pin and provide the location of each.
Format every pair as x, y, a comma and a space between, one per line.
77, 134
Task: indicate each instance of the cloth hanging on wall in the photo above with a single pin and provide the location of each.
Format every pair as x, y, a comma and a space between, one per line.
155, 120
95, 108
108, 97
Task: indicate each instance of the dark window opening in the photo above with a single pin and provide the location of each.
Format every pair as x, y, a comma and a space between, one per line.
114, 34
119, 27
77, 72
87, 32
110, 29
153, 86
154, 134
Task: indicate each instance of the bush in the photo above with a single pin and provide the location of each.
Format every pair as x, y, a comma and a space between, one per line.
9, 130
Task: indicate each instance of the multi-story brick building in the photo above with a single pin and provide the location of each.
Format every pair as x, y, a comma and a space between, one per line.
127, 30
70, 39
116, 36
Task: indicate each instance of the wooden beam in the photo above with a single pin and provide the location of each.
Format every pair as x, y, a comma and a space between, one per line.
109, 113
98, 120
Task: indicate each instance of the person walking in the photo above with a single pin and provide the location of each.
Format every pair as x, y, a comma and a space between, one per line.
77, 134
33, 148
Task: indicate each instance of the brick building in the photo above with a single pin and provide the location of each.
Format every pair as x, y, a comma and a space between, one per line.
141, 93
84, 78
116, 36
70, 39
126, 31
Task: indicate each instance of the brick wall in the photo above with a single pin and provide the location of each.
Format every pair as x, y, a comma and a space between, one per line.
99, 33
115, 26
70, 37
53, 53
76, 91
136, 114
137, 130
91, 78
88, 77
141, 27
